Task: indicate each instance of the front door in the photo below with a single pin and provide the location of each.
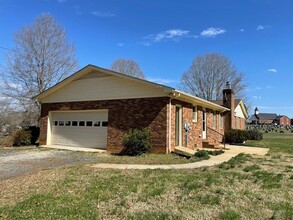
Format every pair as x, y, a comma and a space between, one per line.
178, 126
204, 124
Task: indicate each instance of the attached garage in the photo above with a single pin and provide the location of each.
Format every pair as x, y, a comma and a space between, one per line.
79, 128
76, 112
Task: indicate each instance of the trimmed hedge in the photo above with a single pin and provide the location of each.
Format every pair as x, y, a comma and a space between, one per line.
236, 136
254, 134
202, 154
137, 142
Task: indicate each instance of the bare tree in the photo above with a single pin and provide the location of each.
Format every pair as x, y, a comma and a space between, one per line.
128, 67
41, 58
208, 74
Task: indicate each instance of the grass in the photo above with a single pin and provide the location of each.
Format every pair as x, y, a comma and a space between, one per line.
246, 187
148, 159
278, 142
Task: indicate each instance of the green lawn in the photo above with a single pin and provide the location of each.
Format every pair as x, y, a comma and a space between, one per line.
148, 159
246, 187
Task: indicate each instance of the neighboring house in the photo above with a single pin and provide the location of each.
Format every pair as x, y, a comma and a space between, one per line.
282, 120
238, 114
291, 121
262, 118
96, 107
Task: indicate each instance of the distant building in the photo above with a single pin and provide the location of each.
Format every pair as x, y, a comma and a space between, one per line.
282, 120
269, 118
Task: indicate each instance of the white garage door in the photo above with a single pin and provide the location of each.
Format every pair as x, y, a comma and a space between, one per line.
80, 129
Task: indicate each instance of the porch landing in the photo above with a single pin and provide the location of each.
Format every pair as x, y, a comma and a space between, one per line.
230, 149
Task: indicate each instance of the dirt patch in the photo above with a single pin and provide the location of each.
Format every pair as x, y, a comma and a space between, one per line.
15, 162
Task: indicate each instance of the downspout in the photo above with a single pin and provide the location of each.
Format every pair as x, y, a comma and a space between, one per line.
169, 126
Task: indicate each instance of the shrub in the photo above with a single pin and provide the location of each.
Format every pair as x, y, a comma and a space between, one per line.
137, 142
215, 152
235, 136
22, 138
6, 141
254, 134
202, 154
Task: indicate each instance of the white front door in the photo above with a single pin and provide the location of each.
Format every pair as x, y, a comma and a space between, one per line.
204, 124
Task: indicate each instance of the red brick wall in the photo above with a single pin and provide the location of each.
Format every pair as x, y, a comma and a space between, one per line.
265, 121
284, 121
229, 102
214, 134
122, 116
242, 125
195, 134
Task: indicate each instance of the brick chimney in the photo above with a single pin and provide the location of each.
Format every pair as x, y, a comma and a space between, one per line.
229, 102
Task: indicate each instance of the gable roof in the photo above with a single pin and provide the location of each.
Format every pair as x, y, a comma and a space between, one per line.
266, 116
236, 103
168, 91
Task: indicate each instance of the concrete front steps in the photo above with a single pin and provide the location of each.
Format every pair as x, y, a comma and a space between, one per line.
185, 150
207, 144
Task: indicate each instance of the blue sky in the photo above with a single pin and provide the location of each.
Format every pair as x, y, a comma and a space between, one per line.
165, 36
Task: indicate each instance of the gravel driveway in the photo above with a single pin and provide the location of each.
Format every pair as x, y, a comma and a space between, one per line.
19, 161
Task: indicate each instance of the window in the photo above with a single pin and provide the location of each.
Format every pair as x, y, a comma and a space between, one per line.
89, 123
61, 123
81, 123
97, 124
67, 123
221, 121
74, 123
104, 123
194, 113
55, 123
214, 119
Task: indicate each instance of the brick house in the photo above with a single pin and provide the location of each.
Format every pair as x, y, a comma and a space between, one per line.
96, 107
282, 120
236, 118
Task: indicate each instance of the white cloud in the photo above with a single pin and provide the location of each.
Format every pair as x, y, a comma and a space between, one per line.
242, 30
258, 88
212, 32
268, 87
120, 44
169, 34
61, 1
262, 27
256, 97
103, 14
272, 70
162, 81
